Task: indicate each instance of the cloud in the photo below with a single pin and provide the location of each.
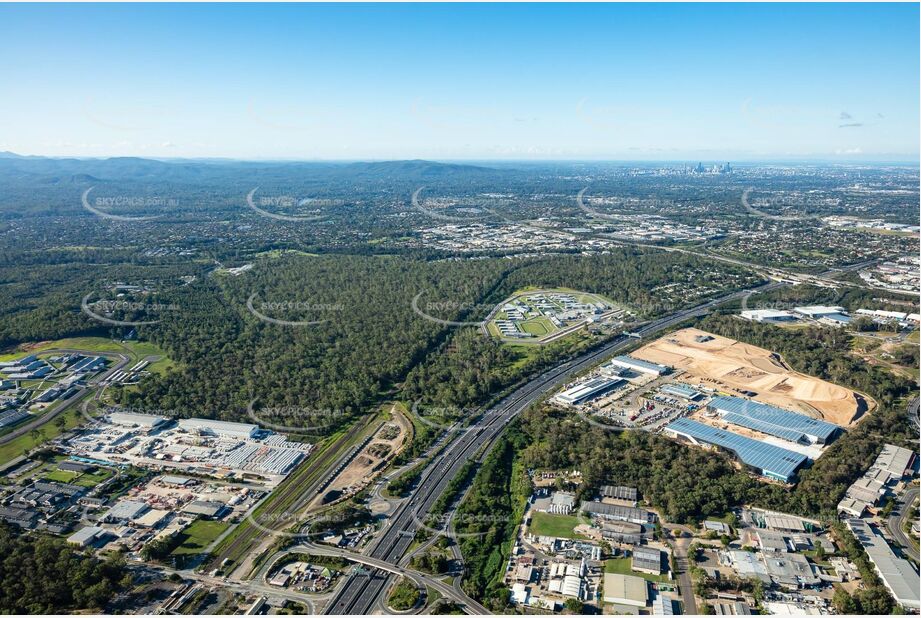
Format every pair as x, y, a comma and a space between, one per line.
850, 124
849, 151
845, 116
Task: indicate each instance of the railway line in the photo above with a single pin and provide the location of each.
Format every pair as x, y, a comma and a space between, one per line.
288, 498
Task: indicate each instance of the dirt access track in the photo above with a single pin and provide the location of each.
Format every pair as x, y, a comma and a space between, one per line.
732, 366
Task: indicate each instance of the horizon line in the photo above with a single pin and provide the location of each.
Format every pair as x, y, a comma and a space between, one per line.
895, 159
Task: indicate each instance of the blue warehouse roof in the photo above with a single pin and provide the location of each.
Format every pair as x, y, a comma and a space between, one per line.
773, 461
773, 420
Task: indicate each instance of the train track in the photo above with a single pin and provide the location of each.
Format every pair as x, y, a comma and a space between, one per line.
289, 497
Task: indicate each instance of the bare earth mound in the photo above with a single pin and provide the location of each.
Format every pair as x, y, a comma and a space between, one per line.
730, 365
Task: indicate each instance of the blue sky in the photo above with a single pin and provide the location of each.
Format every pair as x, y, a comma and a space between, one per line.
449, 81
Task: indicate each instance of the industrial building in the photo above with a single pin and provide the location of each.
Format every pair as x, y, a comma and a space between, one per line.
641, 366
87, 536
684, 391
891, 466
773, 421
662, 606
219, 428
819, 311
623, 532
646, 560
11, 417
132, 419
896, 461
562, 503
589, 390
790, 570
625, 590
772, 461
897, 574
124, 511
206, 508
617, 512
832, 316
770, 316
618, 492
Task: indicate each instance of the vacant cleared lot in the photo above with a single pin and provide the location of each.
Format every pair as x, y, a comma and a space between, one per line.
199, 535
559, 526
732, 366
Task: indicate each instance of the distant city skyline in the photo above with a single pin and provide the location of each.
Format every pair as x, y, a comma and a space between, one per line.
620, 82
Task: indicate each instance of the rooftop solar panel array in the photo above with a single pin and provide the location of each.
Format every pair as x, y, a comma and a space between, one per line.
772, 460
772, 419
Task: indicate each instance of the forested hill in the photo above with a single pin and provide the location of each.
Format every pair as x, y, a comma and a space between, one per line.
369, 337
13, 167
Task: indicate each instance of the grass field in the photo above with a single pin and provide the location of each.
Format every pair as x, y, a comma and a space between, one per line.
199, 535
61, 476
538, 327
559, 526
622, 567
94, 478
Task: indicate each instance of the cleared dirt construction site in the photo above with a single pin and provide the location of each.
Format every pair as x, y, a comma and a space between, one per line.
389, 439
739, 369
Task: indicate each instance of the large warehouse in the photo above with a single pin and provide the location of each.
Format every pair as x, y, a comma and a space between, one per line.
595, 387
149, 421
223, 429
896, 573
773, 462
773, 421
626, 590
769, 315
636, 364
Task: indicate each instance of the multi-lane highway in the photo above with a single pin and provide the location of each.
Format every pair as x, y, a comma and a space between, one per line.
359, 594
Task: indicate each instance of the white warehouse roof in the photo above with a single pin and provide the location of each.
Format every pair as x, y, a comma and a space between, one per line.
132, 418
639, 365
219, 428
759, 315
625, 590
897, 573
814, 311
